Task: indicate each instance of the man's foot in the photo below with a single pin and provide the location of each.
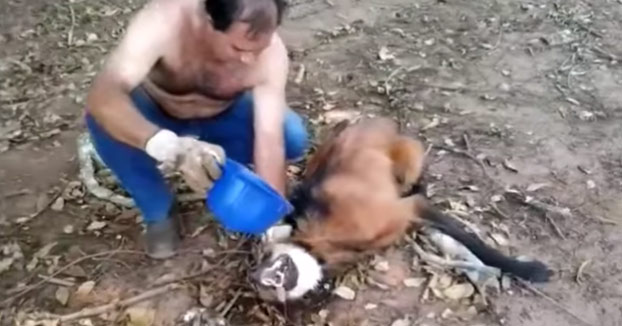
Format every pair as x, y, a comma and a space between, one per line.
162, 239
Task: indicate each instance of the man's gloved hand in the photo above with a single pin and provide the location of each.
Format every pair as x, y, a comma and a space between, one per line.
199, 162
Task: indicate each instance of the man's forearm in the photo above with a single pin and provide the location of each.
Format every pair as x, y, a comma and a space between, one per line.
114, 111
269, 159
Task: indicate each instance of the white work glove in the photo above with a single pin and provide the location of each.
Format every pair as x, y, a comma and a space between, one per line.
199, 162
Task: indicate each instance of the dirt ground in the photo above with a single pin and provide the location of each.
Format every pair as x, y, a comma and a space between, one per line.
527, 91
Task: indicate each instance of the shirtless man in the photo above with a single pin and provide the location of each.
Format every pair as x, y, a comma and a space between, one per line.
193, 82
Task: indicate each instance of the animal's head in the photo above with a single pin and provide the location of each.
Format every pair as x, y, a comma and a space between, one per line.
288, 273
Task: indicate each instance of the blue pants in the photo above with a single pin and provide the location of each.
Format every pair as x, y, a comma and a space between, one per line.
232, 129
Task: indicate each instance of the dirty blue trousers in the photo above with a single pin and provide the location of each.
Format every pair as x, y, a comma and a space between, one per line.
231, 129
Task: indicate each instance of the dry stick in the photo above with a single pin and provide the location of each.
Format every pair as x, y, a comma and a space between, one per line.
535, 203
231, 303
580, 270
45, 207
469, 155
17, 193
56, 281
500, 212
64, 268
90, 312
553, 301
73, 24
555, 226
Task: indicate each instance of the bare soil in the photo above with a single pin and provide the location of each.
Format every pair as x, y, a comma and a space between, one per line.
529, 89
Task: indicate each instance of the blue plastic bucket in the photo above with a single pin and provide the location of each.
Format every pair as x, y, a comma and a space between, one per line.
242, 202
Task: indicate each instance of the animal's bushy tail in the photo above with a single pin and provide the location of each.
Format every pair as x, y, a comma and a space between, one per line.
534, 271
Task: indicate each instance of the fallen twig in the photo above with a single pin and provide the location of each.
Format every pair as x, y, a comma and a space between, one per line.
64, 268
553, 301
56, 281
472, 157
580, 270
42, 209
231, 303
555, 226
73, 25
535, 203
499, 211
90, 312
17, 193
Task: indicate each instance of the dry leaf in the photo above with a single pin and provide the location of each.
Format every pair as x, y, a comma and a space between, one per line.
205, 297
500, 239
496, 198
414, 282
449, 142
62, 295
459, 291
382, 266
50, 322
42, 201
85, 288
140, 316
300, 75
384, 54
444, 281
96, 225
434, 123
5, 264
345, 292
12, 253
536, 186
75, 271
85, 322
586, 115
32, 264
42, 253
328, 106
45, 251
401, 322
447, 313
509, 165
506, 282
68, 229
58, 204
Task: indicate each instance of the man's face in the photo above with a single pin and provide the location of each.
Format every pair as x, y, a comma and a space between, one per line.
238, 45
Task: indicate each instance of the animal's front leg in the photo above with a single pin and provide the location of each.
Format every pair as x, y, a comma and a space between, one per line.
277, 233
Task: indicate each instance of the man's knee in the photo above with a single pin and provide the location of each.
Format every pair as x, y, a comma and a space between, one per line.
296, 136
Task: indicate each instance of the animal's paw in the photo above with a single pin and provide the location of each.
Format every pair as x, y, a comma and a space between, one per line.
277, 233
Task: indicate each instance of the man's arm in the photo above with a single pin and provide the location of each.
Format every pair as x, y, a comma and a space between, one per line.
270, 104
108, 100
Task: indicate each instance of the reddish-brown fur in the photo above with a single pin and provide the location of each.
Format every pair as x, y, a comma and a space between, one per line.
365, 169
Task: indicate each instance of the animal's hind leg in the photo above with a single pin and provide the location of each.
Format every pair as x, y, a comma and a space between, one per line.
408, 159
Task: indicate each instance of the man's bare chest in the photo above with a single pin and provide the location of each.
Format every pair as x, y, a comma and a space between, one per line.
188, 74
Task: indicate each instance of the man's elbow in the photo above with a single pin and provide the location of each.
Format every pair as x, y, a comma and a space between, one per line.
102, 92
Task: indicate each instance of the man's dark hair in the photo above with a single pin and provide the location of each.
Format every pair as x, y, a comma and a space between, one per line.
259, 14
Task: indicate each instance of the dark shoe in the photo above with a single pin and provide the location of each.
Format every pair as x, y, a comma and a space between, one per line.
162, 239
